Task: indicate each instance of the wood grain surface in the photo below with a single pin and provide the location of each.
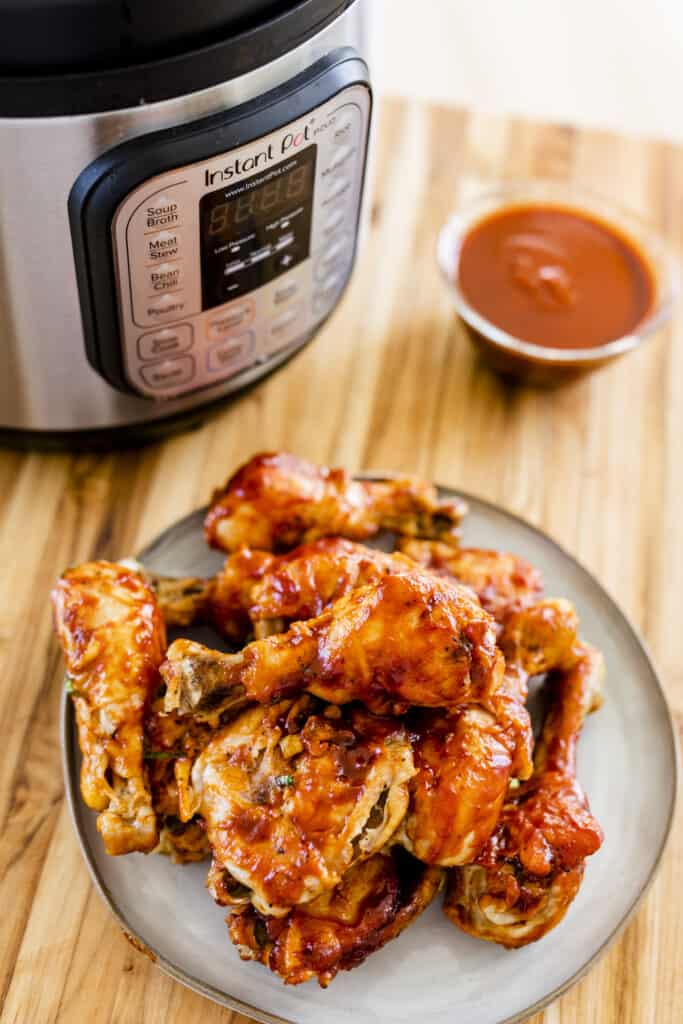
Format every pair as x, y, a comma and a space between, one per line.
390, 383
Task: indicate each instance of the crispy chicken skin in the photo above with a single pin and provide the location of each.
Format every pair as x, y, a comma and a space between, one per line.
277, 501
372, 904
527, 875
504, 583
293, 795
113, 638
408, 639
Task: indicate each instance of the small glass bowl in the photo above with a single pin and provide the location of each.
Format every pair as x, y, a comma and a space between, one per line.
538, 364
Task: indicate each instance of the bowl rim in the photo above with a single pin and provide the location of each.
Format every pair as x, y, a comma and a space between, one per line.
656, 250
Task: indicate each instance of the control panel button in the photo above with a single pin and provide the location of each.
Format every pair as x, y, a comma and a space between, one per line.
284, 241
167, 307
284, 328
238, 315
170, 374
345, 128
231, 354
169, 341
344, 153
337, 253
161, 212
165, 277
286, 292
334, 220
327, 292
164, 245
338, 192
234, 267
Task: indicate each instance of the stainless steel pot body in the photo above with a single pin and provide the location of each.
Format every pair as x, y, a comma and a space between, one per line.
46, 382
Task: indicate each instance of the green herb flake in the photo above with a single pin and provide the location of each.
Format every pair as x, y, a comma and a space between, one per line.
160, 755
69, 686
284, 780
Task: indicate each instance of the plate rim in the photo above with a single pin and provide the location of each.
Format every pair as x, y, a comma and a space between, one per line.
68, 744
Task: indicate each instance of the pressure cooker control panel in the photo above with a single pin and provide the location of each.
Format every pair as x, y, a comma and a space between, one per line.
225, 262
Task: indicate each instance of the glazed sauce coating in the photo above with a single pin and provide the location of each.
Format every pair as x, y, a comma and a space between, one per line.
555, 277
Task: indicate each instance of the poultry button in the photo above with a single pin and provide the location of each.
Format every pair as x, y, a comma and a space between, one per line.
167, 307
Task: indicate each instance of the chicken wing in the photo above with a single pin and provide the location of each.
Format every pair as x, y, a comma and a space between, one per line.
293, 795
113, 638
504, 583
527, 875
407, 639
276, 501
372, 904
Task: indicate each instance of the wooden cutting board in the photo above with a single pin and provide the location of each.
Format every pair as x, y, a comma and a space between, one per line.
390, 383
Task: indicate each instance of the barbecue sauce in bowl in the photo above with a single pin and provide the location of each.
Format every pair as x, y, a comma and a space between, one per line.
551, 280
555, 277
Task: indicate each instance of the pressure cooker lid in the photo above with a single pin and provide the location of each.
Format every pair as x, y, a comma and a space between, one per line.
80, 56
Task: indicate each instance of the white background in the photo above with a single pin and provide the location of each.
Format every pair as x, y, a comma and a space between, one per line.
612, 63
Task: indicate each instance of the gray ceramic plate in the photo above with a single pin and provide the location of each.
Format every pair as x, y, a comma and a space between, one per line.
432, 973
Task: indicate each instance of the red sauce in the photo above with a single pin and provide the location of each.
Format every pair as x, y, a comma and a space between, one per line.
555, 277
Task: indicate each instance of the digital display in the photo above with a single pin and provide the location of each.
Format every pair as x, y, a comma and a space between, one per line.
255, 230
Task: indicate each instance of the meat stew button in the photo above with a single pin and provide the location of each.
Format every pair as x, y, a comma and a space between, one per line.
165, 245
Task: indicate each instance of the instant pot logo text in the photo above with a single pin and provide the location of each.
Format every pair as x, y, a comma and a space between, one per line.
289, 143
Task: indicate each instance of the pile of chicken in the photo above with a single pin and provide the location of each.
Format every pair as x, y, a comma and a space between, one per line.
367, 740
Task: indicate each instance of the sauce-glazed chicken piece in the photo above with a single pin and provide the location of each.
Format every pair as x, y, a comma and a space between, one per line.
527, 875
374, 902
113, 638
277, 501
259, 591
293, 795
169, 738
408, 639
464, 763
504, 583
541, 637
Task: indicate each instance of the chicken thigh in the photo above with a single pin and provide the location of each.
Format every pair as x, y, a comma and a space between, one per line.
293, 795
372, 904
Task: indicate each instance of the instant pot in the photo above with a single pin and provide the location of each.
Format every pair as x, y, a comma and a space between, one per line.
180, 195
